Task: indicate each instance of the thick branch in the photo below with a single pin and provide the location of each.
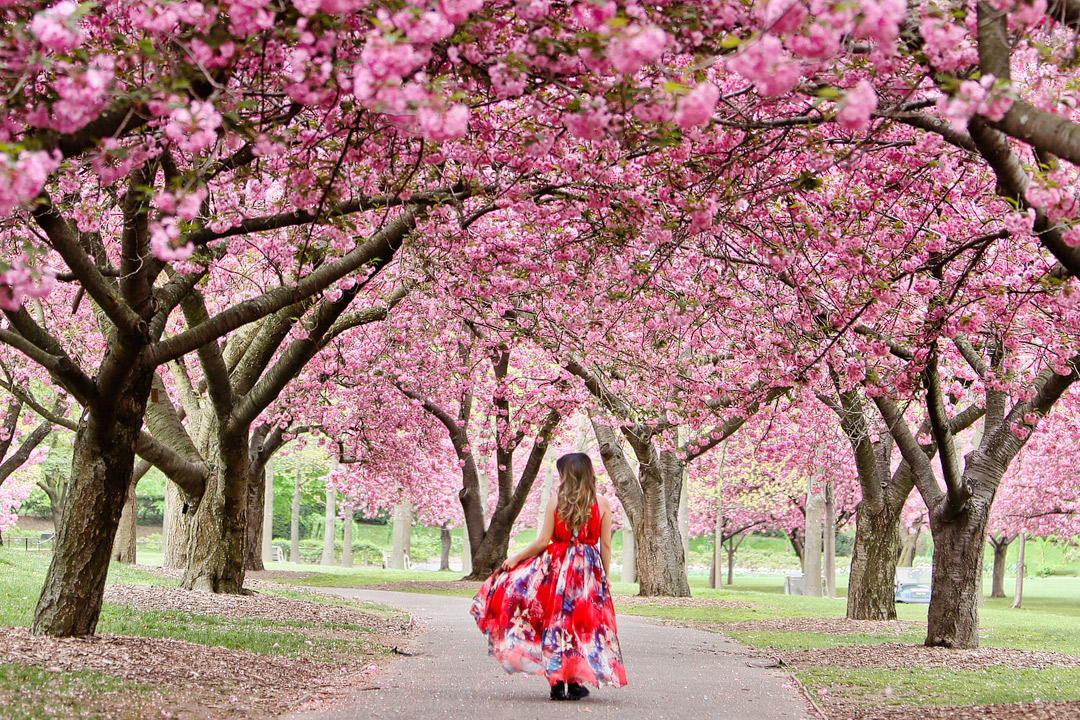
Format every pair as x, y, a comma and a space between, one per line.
383, 244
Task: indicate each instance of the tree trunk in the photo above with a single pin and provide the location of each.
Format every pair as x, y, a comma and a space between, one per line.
629, 552
444, 556
872, 581
684, 518
346, 546
176, 527
402, 531
294, 522
256, 510
908, 544
718, 541
329, 526
796, 544
545, 494
1018, 596
1001, 552
219, 526
812, 549
267, 544
953, 619
103, 459
466, 552
124, 548
493, 548
731, 548
829, 531
661, 564
684, 500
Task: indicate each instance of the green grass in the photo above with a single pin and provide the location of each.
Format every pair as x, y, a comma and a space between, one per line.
941, 686
32, 693
1049, 620
21, 575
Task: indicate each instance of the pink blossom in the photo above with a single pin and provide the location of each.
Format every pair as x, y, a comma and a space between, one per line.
340, 7
247, 17
54, 28
784, 16
1020, 431
23, 176
390, 61
593, 15
881, 19
858, 106
636, 47
589, 124
507, 83
193, 128
431, 27
437, 125
457, 11
81, 95
1071, 236
164, 241
696, 107
765, 63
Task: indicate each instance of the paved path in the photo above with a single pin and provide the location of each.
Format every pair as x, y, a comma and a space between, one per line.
672, 673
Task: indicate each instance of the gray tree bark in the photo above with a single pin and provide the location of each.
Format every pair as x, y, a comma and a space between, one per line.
829, 530
444, 556
545, 493
294, 522
629, 552
1018, 594
124, 548
329, 526
346, 548
267, 549
402, 531
812, 547
1000, 543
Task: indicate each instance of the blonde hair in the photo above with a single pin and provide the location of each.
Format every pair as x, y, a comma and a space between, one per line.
577, 493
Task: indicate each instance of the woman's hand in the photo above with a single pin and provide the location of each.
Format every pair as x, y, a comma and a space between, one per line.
508, 564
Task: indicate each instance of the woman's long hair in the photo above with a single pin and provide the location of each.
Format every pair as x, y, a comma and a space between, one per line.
577, 493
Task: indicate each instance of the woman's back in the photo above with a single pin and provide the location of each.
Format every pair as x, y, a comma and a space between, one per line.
589, 533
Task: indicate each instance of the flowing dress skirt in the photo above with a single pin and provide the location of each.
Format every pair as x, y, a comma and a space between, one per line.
553, 616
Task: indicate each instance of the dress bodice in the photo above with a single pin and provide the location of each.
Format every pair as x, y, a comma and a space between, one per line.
588, 534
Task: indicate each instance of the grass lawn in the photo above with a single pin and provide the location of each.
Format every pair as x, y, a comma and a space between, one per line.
32, 693
64, 691
1048, 621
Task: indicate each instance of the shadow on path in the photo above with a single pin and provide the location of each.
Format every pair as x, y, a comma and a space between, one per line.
672, 672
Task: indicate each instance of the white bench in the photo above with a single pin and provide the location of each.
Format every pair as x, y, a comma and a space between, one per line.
386, 560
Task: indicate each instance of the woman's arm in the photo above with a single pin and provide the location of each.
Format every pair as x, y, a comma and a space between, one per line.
605, 534
543, 537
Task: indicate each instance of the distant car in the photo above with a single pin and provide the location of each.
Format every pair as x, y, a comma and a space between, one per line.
912, 594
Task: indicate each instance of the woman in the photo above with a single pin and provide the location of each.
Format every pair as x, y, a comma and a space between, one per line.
553, 615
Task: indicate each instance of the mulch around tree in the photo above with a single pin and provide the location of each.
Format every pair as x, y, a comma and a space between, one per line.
189, 681
902, 655
828, 626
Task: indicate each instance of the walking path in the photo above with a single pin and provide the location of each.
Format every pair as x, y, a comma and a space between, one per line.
672, 672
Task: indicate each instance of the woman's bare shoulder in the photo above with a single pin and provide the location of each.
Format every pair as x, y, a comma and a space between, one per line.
603, 503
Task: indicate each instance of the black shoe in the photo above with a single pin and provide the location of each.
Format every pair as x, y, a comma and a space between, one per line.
558, 691
576, 691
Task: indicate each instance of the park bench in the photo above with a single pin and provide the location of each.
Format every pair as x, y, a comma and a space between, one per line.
386, 560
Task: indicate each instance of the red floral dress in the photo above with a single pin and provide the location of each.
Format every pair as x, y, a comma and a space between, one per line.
553, 615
